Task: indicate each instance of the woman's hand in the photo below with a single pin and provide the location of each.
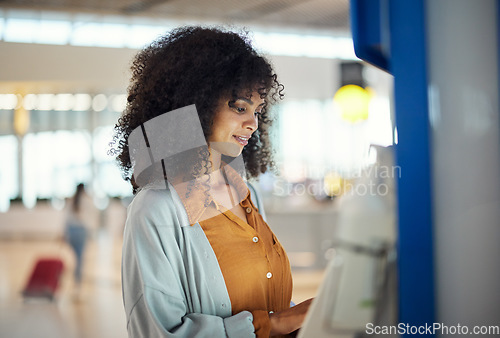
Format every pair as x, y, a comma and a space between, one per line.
289, 320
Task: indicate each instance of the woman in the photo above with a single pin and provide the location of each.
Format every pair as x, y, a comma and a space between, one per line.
198, 258
75, 231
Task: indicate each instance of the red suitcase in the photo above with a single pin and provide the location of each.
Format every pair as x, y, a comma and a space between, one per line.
44, 279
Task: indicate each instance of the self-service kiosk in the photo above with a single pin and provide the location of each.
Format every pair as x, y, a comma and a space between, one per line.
444, 56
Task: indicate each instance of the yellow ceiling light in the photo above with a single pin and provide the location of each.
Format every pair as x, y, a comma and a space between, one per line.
21, 121
333, 184
353, 102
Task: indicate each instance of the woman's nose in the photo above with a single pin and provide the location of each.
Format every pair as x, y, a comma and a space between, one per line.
252, 123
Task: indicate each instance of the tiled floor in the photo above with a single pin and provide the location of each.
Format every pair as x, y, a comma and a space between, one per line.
97, 310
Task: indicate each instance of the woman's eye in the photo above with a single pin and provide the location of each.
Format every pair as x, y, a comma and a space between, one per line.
238, 108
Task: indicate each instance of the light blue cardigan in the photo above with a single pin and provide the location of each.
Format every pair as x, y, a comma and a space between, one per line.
171, 281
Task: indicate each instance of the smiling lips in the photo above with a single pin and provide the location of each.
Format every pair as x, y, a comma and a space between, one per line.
242, 140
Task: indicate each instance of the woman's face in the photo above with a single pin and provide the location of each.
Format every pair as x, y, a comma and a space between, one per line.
234, 123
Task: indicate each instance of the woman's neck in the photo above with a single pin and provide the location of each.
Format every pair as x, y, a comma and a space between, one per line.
217, 180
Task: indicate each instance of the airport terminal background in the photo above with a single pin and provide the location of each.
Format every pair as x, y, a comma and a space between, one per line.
63, 79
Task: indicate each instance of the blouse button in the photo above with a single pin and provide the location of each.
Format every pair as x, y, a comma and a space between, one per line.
255, 239
248, 210
269, 275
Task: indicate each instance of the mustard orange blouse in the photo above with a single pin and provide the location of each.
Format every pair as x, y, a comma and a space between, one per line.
255, 266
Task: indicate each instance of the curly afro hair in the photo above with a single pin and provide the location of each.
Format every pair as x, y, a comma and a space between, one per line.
201, 66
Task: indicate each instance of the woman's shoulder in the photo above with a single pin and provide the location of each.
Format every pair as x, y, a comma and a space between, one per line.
154, 213
151, 196
152, 204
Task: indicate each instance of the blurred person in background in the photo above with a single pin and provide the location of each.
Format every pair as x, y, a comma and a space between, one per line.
191, 266
79, 222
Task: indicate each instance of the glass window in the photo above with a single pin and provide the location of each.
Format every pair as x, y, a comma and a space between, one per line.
313, 138
108, 176
54, 162
20, 30
85, 33
103, 31
379, 120
140, 35
112, 35
53, 32
6, 121
2, 25
8, 170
